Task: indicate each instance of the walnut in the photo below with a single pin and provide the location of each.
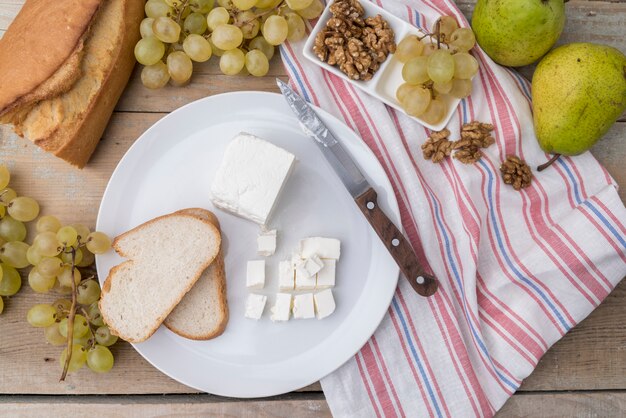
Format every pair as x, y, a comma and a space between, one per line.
355, 44
474, 136
437, 146
516, 172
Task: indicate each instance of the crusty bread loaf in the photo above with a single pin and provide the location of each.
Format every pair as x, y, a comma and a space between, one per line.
166, 256
67, 112
203, 313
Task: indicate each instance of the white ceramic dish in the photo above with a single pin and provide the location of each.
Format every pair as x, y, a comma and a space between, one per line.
388, 78
171, 166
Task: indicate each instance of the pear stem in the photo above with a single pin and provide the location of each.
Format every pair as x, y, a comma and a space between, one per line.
548, 163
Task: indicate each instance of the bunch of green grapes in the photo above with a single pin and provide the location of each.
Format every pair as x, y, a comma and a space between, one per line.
442, 66
242, 33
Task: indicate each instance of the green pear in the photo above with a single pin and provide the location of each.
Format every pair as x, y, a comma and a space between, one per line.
517, 32
579, 91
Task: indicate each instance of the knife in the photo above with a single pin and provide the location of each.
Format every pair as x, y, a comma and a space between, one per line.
363, 193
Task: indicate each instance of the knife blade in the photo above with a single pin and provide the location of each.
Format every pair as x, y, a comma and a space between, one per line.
361, 191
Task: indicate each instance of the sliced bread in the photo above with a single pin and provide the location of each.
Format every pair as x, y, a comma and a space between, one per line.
203, 313
166, 257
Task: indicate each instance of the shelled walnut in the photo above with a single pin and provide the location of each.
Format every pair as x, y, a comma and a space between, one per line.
474, 136
355, 44
516, 172
437, 146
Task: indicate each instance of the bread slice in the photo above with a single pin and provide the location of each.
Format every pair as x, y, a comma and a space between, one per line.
166, 256
66, 115
203, 313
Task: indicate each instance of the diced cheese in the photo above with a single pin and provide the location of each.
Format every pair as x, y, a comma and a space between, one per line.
286, 276
310, 266
266, 243
251, 176
255, 274
304, 281
281, 311
255, 305
323, 247
303, 307
326, 276
324, 303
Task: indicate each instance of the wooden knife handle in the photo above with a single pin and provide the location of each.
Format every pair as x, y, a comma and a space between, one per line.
400, 249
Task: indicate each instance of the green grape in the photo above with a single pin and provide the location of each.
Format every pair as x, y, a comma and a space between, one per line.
416, 101
1, 305
262, 45
48, 223
403, 91
88, 258
149, 51
312, 11
62, 307
429, 49
83, 340
157, 8
197, 48
95, 317
461, 88
155, 76
23, 209
77, 360
435, 112
440, 66
179, 66
447, 25
296, 28
67, 236
275, 30
10, 282
248, 23
256, 63
227, 37
48, 244
217, 16
298, 4
3, 210
13, 253
100, 359
465, 66
49, 266
82, 231
88, 292
216, 51
5, 176
244, 4
65, 276
415, 71
104, 336
63, 290
195, 23
174, 3
145, 28
11, 229
53, 336
41, 315
66, 257
202, 6
7, 195
40, 283
227, 4
232, 61
443, 88
462, 40
166, 29
81, 326
267, 4
408, 48
33, 255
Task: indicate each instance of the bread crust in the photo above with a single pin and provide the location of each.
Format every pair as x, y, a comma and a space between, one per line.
112, 274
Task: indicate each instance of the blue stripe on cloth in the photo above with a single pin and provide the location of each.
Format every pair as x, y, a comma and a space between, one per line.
606, 222
295, 75
572, 180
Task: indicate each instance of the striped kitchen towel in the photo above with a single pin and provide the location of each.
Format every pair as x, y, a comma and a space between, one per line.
518, 269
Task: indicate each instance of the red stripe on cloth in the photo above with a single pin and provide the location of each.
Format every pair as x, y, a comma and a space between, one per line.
380, 388
364, 378
608, 213
512, 343
610, 239
287, 46
383, 364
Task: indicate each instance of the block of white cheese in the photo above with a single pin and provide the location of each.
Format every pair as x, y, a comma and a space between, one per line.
255, 274
250, 178
320, 246
255, 305
304, 281
266, 243
281, 311
286, 278
303, 306
324, 303
326, 276
309, 266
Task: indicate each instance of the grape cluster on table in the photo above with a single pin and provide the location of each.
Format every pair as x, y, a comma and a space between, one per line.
242, 33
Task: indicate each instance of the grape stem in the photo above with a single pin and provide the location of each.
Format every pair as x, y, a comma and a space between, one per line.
92, 340
256, 16
70, 319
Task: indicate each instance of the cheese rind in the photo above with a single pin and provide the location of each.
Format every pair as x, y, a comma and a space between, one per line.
326, 276
266, 243
320, 246
324, 303
250, 178
286, 276
255, 304
303, 306
255, 274
281, 311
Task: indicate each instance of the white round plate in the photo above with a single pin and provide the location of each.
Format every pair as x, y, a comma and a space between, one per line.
171, 167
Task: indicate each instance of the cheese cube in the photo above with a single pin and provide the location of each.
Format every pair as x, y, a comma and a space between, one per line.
251, 176
255, 275
281, 311
310, 266
304, 281
324, 303
323, 247
286, 276
255, 305
266, 243
303, 307
326, 276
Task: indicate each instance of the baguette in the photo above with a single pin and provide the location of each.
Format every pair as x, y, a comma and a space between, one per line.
203, 313
67, 112
166, 257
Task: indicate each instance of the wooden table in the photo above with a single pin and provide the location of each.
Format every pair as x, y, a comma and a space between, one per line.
583, 374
